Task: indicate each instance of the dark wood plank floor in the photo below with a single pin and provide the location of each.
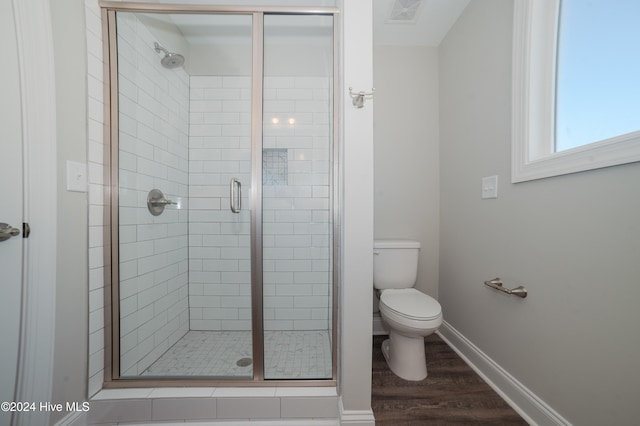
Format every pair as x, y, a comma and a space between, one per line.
452, 393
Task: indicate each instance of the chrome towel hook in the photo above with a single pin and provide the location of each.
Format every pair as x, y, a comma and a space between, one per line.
359, 97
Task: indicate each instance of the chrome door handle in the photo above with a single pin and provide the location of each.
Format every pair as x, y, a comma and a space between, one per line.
7, 231
235, 196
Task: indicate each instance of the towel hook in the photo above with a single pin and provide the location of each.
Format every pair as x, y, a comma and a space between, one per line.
359, 97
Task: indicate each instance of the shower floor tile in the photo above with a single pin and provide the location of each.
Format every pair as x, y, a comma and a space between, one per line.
288, 355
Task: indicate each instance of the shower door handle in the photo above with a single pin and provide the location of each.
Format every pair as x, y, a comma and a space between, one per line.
235, 195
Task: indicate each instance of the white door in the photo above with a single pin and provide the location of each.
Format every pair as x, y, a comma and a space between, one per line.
10, 209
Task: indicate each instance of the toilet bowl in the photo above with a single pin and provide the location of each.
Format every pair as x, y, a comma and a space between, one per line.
409, 314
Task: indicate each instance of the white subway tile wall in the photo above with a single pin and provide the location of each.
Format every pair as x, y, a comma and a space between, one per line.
153, 144
296, 210
95, 153
296, 216
219, 240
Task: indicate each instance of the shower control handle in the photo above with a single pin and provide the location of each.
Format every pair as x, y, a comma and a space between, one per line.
156, 202
235, 195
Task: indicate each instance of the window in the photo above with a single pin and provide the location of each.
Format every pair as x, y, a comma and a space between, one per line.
576, 90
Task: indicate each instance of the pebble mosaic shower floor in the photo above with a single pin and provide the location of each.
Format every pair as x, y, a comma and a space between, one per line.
288, 355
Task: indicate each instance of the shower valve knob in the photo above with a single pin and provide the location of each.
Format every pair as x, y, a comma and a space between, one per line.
156, 202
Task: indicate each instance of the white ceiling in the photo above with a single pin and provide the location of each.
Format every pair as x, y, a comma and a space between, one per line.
433, 20
431, 24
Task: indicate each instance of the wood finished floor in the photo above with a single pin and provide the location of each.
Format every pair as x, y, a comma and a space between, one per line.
452, 393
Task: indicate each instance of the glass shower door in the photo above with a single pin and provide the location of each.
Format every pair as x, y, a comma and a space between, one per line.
222, 195
220, 281
297, 199
184, 173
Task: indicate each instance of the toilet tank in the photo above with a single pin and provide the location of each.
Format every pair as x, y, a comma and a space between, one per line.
395, 263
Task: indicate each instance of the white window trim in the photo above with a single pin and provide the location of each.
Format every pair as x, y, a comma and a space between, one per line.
534, 55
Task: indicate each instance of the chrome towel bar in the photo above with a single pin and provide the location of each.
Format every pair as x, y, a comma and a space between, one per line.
496, 284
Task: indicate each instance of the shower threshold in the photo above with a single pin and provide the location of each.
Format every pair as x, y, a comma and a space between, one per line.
288, 355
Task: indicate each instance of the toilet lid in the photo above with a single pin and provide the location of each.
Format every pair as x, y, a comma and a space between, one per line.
411, 303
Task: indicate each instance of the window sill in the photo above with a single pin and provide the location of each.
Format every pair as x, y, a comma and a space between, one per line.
612, 152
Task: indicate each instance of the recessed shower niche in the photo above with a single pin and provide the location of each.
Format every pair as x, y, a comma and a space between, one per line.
229, 114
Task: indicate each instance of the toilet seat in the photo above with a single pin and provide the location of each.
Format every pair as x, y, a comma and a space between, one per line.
411, 304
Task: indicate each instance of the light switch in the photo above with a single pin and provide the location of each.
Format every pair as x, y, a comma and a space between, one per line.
76, 176
490, 187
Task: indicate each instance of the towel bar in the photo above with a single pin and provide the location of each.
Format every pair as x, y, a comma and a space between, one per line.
496, 284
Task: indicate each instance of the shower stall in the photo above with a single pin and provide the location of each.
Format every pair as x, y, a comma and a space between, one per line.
222, 203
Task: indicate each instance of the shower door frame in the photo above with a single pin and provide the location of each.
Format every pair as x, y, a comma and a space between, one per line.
112, 377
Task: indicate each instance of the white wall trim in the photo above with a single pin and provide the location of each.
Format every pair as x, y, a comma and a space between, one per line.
356, 417
533, 99
37, 85
532, 409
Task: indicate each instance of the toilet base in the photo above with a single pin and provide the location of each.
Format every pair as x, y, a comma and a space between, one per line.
405, 356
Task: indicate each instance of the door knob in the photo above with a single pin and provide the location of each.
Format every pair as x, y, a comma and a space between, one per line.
7, 231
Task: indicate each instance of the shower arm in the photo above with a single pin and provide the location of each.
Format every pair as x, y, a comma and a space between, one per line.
160, 48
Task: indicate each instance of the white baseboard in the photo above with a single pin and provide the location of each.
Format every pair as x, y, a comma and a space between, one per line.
532, 409
356, 417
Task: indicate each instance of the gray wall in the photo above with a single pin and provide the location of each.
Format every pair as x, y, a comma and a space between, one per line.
70, 355
573, 241
406, 170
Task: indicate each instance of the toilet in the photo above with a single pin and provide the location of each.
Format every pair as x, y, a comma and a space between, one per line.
409, 314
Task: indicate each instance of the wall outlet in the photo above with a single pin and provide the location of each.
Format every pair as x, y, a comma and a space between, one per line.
490, 187
76, 176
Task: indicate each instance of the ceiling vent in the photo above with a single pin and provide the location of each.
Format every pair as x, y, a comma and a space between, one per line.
404, 11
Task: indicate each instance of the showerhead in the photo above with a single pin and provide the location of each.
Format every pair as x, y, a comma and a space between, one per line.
170, 60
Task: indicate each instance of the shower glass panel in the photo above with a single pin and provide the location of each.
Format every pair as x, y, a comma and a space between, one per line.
221, 125
184, 255
297, 196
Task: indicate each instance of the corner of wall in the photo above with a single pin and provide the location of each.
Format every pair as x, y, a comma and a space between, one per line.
357, 213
